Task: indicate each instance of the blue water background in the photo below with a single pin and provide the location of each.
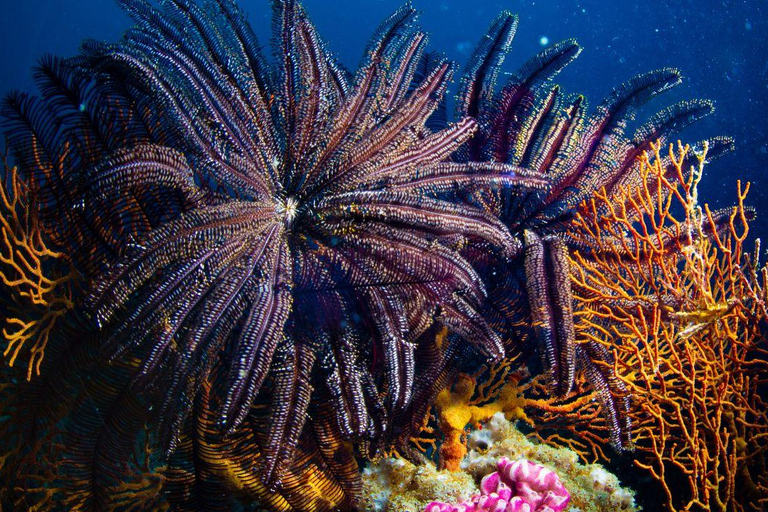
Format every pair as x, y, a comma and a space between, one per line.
720, 46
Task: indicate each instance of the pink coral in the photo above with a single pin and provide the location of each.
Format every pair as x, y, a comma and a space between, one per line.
520, 486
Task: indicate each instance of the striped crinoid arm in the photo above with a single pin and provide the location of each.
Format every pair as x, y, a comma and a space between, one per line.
193, 238
475, 176
380, 255
144, 165
148, 184
395, 279
482, 70
422, 168
105, 457
262, 331
356, 408
604, 154
312, 89
209, 79
395, 165
547, 272
396, 133
60, 137
624, 168
37, 290
510, 118
229, 261
420, 213
580, 154
525, 101
365, 99
598, 365
400, 146
207, 466
291, 392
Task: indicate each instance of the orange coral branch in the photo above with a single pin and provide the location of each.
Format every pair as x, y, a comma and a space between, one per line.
36, 300
472, 400
669, 290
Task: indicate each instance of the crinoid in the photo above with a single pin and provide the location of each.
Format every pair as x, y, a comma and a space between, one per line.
259, 244
530, 123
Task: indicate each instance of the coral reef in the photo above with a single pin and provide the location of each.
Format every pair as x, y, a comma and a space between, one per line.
394, 484
520, 486
233, 279
591, 487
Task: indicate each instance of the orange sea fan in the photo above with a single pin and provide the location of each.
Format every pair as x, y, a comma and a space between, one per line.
667, 287
35, 295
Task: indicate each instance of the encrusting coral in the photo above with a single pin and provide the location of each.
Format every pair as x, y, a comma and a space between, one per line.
519, 486
472, 400
396, 485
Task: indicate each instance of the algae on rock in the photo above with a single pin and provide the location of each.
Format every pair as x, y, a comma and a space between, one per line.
396, 485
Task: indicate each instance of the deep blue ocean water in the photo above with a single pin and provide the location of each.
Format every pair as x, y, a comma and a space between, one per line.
720, 46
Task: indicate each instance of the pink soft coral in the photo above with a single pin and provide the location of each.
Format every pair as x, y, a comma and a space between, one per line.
520, 486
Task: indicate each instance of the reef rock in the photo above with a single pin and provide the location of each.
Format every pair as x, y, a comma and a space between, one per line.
520, 486
395, 485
